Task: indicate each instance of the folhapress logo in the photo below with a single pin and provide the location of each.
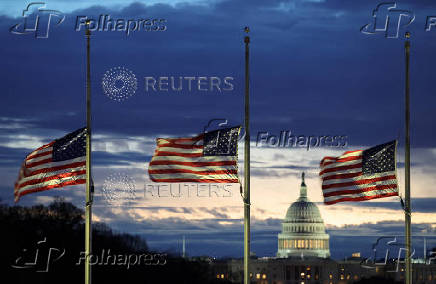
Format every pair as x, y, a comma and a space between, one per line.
105, 23
37, 20
38, 260
388, 20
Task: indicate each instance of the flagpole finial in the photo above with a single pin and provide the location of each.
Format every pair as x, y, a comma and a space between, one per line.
88, 23
407, 35
247, 37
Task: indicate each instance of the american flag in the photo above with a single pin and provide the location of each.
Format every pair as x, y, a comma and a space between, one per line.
360, 175
59, 163
209, 157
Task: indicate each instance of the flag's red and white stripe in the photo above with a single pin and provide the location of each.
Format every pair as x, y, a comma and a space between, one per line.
38, 172
182, 160
343, 180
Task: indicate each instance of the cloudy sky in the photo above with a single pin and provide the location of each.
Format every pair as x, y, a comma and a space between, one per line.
312, 73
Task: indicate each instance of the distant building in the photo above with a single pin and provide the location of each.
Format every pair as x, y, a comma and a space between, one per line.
355, 254
321, 271
303, 257
303, 231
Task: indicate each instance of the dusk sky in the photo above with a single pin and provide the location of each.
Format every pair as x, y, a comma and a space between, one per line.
313, 72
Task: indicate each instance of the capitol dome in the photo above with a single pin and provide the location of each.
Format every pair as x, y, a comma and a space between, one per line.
303, 231
303, 211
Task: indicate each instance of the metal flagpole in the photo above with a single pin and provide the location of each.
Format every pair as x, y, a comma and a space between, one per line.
247, 164
407, 207
88, 208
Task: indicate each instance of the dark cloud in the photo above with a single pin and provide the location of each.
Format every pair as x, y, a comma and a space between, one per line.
10, 157
294, 167
419, 205
208, 237
209, 42
119, 159
215, 212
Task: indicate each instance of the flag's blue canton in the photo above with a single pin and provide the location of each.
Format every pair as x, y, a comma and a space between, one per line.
221, 142
379, 159
70, 146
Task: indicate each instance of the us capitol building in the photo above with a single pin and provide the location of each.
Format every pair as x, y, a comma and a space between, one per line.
303, 231
303, 256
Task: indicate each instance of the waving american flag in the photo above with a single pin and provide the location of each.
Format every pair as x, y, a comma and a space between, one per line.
209, 157
59, 163
360, 175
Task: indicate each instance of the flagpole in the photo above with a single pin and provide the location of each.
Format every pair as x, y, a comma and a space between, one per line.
88, 206
407, 207
247, 164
